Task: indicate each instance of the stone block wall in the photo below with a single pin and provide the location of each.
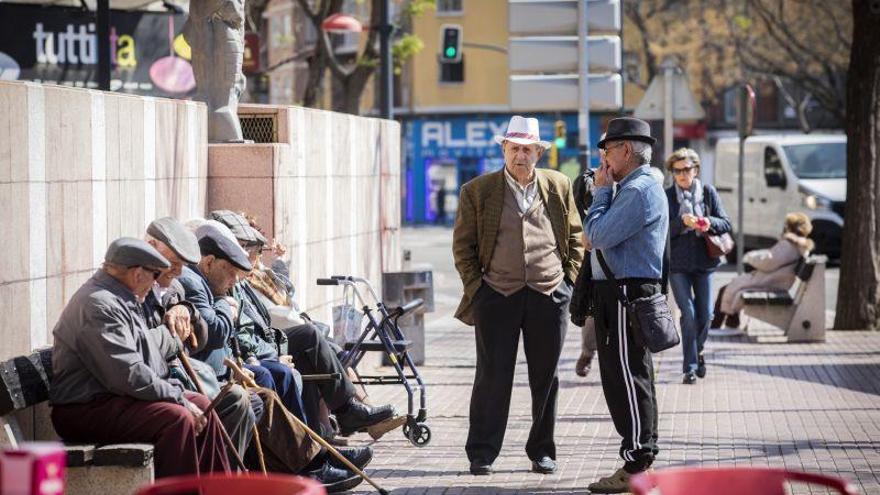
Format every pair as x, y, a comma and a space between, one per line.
79, 168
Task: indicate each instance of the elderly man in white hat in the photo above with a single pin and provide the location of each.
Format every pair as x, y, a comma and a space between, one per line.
517, 247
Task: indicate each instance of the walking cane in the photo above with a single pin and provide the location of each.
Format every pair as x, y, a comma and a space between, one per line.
250, 383
195, 379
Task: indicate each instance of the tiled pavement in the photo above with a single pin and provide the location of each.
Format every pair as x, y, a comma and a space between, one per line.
801, 406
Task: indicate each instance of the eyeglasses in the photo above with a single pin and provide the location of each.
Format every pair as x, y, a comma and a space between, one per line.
156, 273
614, 146
681, 171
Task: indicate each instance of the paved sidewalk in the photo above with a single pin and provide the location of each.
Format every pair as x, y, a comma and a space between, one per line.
806, 406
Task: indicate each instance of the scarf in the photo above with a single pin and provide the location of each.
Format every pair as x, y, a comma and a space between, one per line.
690, 201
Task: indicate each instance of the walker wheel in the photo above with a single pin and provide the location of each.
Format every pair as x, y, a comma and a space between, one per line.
420, 435
406, 429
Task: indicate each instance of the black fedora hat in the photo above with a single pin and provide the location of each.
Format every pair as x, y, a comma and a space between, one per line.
627, 129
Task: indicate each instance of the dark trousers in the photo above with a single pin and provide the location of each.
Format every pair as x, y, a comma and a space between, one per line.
627, 373
313, 355
283, 380
543, 321
169, 427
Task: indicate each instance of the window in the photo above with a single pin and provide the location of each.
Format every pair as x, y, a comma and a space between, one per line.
774, 174
452, 72
817, 160
449, 6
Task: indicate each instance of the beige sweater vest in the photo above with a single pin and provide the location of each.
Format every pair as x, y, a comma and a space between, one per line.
525, 251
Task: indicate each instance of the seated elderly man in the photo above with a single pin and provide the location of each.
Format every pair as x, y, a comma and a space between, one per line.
310, 351
107, 384
165, 302
205, 285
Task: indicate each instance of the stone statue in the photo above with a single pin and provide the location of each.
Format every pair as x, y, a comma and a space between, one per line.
215, 32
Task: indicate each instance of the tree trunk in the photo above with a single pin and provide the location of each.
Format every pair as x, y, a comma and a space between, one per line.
315, 84
858, 303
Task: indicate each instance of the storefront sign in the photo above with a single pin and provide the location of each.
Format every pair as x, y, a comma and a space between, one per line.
60, 45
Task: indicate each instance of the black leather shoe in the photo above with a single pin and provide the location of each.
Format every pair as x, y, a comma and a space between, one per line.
334, 479
357, 415
481, 468
701, 366
544, 465
690, 378
359, 456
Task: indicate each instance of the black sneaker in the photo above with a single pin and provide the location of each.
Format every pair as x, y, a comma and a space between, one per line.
481, 468
359, 456
335, 480
701, 366
356, 415
690, 378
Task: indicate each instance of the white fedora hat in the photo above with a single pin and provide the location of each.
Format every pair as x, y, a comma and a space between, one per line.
521, 130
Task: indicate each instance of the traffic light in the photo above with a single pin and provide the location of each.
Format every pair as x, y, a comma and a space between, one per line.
561, 140
450, 44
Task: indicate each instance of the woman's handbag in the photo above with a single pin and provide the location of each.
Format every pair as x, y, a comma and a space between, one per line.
650, 316
718, 245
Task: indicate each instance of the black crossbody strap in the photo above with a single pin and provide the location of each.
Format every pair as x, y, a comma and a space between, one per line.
610, 276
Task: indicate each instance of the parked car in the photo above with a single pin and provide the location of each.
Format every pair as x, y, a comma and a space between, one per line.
786, 173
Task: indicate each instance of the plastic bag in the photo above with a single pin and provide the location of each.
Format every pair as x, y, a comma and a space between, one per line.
346, 319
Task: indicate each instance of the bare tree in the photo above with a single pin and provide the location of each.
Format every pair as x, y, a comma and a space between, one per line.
803, 44
858, 306
352, 76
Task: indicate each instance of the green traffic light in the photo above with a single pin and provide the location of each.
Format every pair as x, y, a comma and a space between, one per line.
450, 52
560, 142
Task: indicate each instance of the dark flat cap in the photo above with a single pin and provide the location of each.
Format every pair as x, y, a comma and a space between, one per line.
128, 251
177, 237
627, 129
213, 243
239, 226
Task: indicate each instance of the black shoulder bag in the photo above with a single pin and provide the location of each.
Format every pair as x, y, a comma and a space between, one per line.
650, 316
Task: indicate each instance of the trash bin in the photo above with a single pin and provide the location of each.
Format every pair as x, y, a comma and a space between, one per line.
398, 288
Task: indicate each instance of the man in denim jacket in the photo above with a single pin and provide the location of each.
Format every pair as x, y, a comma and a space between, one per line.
629, 229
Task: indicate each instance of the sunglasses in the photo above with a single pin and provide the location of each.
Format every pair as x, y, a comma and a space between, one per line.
680, 171
156, 273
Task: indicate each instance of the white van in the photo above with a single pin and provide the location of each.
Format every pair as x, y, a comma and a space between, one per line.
786, 173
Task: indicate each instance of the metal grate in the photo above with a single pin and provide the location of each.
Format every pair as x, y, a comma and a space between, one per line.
259, 127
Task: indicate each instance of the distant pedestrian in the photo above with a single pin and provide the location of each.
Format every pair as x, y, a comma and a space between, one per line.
517, 247
695, 211
441, 204
629, 232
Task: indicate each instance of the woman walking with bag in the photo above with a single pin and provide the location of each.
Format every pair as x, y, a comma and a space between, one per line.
696, 219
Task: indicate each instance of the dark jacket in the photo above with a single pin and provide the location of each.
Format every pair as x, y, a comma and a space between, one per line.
254, 331
217, 315
688, 249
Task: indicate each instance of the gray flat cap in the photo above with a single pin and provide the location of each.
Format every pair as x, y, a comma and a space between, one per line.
177, 237
128, 251
213, 243
239, 226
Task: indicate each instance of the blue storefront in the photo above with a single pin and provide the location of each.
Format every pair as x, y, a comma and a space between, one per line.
444, 152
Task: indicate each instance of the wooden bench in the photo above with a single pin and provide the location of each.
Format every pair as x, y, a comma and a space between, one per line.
24, 416
799, 311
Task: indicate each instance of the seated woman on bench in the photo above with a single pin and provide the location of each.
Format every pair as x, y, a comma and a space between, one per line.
774, 269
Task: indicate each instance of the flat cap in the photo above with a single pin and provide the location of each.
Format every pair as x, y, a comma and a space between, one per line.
128, 251
239, 226
214, 243
177, 237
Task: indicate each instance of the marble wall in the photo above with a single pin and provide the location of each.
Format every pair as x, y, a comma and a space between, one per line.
79, 168
329, 190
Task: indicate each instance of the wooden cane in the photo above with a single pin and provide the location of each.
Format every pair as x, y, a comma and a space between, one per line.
249, 382
226, 439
